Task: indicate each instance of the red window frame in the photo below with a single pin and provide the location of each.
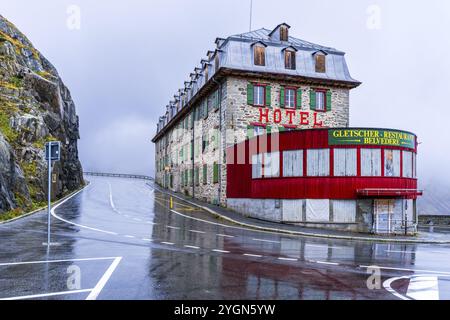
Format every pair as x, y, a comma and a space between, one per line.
324, 91
295, 97
264, 94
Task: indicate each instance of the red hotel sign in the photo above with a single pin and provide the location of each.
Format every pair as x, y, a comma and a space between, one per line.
294, 117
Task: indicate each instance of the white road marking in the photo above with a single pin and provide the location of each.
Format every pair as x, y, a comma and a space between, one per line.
224, 235
220, 251
266, 240
73, 223
287, 259
322, 246
127, 236
399, 251
406, 269
326, 262
192, 247
252, 255
387, 286
175, 228
54, 261
196, 231
169, 243
99, 286
137, 219
43, 295
423, 288
146, 239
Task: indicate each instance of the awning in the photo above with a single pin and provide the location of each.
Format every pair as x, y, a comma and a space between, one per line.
389, 192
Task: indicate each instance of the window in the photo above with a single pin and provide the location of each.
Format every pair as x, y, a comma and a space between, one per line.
271, 164
407, 164
205, 142
259, 95
320, 63
320, 100
258, 131
259, 52
284, 33
345, 162
197, 176
290, 98
370, 162
289, 59
414, 165
392, 163
293, 163
318, 162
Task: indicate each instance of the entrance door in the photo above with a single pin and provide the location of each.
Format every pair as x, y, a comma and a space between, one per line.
384, 211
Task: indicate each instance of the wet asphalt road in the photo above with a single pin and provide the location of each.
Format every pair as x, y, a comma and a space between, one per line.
118, 239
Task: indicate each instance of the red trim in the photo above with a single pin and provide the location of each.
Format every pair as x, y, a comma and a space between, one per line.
290, 126
389, 192
258, 124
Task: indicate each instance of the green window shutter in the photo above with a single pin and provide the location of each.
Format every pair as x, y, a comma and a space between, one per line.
268, 129
280, 129
312, 98
216, 173
217, 99
250, 132
205, 174
192, 150
282, 97
328, 100
299, 98
268, 96
250, 94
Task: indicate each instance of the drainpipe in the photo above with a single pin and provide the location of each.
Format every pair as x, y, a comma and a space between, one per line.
220, 136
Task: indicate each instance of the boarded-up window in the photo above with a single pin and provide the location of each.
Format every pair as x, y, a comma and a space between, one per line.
392, 163
345, 162
284, 34
407, 164
289, 59
216, 172
259, 53
318, 162
370, 162
320, 63
293, 163
344, 211
257, 166
271, 164
205, 174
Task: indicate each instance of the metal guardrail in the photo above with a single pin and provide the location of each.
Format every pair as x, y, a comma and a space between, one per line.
118, 175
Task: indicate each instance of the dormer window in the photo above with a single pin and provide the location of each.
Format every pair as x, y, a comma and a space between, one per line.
259, 54
289, 58
320, 62
284, 33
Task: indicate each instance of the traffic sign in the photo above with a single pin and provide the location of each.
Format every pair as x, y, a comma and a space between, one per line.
55, 151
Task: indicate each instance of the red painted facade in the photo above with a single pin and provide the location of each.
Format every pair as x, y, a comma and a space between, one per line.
241, 185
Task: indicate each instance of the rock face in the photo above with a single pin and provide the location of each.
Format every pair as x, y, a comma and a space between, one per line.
35, 107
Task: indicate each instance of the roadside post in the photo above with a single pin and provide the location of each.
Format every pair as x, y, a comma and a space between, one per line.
52, 153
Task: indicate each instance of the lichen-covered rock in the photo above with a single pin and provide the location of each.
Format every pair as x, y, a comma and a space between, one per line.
35, 107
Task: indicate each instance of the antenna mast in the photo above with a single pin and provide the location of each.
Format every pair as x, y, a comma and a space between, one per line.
251, 10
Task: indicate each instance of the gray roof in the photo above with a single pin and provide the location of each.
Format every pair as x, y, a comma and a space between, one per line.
236, 52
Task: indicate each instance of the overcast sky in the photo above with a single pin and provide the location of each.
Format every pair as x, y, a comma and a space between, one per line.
128, 58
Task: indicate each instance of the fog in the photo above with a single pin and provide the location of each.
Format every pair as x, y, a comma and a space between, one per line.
124, 60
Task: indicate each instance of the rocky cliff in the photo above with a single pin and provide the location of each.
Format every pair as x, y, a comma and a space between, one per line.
35, 107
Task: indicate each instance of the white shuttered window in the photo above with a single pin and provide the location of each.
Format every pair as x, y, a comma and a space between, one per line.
392, 163
371, 162
293, 163
407, 164
257, 166
318, 162
271, 164
345, 162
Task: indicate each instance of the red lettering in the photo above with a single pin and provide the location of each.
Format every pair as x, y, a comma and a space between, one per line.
304, 121
317, 123
264, 115
277, 116
290, 113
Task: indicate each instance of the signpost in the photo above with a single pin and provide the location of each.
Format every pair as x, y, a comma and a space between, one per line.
52, 153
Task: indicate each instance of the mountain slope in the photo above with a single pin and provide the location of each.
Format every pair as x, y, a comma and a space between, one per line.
35, 107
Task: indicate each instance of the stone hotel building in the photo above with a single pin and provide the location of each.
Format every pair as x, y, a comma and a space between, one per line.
262, 127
